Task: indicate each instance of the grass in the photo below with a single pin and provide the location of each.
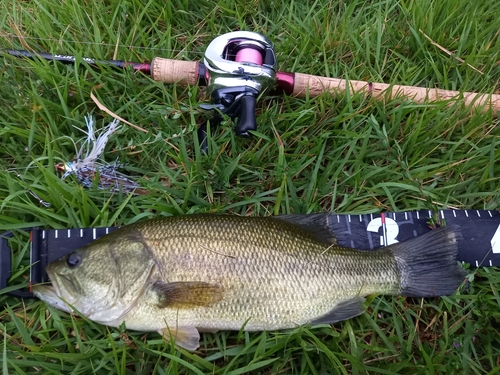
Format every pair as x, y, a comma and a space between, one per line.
345, 154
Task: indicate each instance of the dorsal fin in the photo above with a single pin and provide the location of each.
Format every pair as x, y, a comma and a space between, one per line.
316, 224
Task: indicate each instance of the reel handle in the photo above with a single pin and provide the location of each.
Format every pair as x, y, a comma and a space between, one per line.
246, 116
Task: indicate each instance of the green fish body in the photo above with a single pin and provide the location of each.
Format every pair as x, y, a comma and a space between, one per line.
185, 274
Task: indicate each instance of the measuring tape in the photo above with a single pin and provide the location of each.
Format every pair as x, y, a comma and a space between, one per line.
480, 244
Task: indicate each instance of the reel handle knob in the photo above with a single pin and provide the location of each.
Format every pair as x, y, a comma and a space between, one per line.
246, 116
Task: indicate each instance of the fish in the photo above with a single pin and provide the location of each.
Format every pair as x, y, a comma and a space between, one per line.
185, 274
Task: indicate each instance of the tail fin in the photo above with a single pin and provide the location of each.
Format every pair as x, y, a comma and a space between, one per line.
427, 264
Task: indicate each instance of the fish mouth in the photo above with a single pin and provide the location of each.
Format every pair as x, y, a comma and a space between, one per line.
51, 294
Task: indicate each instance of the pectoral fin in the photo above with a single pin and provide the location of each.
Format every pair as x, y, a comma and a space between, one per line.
182, 295
185, 337
343, 311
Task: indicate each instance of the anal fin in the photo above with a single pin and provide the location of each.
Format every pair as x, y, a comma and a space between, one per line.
208, 330
186, 337
343, 311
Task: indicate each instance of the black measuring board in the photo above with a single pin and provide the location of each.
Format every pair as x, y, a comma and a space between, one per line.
480, 231
479, 246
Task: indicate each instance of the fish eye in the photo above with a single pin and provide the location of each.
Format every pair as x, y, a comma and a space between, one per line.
74, 259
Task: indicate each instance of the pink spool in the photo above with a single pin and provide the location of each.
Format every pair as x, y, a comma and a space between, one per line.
249, 55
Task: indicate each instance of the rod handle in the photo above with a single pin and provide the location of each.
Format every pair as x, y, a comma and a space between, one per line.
175, 71
316, 85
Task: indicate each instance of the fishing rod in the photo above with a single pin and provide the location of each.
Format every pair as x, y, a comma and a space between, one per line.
239, 66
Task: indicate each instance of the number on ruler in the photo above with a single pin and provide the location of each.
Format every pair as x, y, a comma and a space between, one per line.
495, 241
392, 229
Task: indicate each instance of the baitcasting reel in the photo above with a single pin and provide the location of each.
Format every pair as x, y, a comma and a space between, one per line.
239, 66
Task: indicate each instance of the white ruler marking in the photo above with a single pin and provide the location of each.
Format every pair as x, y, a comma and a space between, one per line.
495, 241
31, 260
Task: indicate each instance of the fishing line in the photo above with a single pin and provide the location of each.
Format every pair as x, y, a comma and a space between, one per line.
35, 195
59, 41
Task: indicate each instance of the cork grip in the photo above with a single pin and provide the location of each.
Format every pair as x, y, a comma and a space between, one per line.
175, 71
317, 85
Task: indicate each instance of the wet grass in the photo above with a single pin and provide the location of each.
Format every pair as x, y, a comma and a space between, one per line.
346, 154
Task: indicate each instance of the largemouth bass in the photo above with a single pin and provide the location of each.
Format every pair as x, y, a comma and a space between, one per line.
185, 274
